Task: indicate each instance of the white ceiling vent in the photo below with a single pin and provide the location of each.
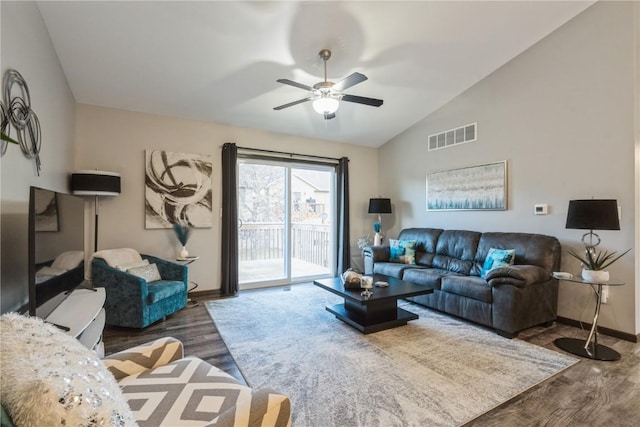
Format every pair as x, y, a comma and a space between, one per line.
448, 138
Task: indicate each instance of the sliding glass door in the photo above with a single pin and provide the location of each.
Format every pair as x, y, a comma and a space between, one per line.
286, 222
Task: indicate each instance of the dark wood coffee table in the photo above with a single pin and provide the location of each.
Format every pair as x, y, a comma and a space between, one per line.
378, 312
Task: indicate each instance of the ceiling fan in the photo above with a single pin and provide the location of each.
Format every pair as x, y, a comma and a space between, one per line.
326, 95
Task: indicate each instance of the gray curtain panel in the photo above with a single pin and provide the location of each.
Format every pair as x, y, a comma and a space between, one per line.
229, 248
229, 255
344, 244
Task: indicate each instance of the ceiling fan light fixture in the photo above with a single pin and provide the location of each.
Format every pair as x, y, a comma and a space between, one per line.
326, 95
326, 105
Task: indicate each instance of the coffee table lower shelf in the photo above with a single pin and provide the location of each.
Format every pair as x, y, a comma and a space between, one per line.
368, 326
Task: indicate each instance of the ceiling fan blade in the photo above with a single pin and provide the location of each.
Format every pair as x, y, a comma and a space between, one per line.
295, 84
329, 116
349, 81
291, 104
363, 100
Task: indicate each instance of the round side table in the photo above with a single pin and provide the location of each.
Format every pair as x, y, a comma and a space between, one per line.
590, 347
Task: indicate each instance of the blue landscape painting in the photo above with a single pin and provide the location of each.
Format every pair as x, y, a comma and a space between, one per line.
482, 187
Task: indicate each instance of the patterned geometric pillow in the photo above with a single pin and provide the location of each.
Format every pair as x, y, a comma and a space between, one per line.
497, 258
403, 251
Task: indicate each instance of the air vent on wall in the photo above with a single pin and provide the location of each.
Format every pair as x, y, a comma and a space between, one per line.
453, 137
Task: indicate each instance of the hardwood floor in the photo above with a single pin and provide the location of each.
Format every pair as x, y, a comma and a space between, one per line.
191, 325
589, 393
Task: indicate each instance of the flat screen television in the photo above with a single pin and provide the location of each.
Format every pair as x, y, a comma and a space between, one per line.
56, 249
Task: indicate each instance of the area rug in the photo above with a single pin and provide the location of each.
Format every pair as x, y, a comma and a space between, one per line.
435, 371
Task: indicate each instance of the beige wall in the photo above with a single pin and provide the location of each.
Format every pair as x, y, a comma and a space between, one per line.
562, 115
116, 140
27, 48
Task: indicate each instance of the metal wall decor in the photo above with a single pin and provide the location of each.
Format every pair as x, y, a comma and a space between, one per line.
4, 127
18, 113
178, 190
482, 187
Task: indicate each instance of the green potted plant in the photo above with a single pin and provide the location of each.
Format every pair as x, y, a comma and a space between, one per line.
7, 138
594, 263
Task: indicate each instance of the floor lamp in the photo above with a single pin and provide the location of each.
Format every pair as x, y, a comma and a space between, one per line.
95, 183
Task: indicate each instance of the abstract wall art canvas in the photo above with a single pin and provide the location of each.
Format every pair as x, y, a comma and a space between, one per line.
178, 189
482, 187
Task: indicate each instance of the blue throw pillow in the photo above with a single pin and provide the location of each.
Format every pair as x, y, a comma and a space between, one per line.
403, 251
497, 258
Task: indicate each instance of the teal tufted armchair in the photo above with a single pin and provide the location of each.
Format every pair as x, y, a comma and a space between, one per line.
132, 301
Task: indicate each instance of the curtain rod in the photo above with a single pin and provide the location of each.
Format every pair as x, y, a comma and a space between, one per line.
288, 154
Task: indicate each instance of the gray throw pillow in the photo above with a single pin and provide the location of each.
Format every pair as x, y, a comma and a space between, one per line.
149, 272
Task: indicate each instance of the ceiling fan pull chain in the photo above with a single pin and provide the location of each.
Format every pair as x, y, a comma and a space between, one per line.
324, 60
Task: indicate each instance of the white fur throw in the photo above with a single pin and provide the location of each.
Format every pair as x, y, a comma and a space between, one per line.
50, 379
120, 258
68, 260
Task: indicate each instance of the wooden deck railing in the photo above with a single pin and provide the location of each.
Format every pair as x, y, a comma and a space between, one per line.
260, 241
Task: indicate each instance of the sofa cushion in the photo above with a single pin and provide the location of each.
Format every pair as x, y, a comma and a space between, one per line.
392, 269
403, 251
426, 241
497, 258
49, 378
429, 277
162, 289
456, 250
426, 238
467, 286
532, 249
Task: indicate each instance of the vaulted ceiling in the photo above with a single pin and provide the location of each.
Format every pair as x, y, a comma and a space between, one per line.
219, 61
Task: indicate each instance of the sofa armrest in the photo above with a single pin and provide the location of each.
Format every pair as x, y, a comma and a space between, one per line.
373, 254
265, 408
377, 253
517, 275
169, 270
144, 357
103, 275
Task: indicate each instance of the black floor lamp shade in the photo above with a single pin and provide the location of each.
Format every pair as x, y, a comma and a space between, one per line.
95, 183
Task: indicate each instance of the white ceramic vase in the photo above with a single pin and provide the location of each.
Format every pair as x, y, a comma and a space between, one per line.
595, 276
184, 253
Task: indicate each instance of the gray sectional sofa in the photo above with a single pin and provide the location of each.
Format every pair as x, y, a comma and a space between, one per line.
509, 299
